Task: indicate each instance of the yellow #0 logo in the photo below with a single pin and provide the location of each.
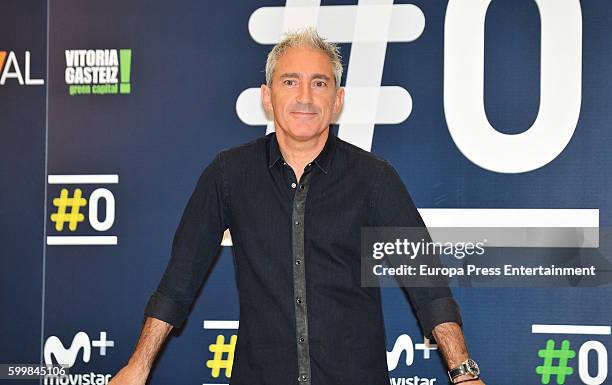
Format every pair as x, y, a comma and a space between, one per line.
70, 208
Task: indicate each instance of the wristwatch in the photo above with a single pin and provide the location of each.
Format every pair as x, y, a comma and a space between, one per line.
468, 366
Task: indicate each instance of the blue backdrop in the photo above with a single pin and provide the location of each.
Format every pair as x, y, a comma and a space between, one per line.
136, 152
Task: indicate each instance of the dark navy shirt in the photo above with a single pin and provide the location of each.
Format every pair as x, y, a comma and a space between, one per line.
304, 316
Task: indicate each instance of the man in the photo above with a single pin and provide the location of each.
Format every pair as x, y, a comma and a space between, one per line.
295, 201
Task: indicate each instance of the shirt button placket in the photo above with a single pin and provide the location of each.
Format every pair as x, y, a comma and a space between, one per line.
299, 280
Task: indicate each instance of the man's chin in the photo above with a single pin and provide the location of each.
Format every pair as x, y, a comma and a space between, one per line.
304, 133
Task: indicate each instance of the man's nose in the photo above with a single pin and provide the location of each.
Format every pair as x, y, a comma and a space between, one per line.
305, 93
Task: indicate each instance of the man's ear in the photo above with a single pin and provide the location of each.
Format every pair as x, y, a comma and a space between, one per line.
266, 98
339, 101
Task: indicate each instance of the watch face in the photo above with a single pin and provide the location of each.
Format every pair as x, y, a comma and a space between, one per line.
473, 367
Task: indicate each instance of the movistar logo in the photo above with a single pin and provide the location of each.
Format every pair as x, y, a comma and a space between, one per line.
67, 357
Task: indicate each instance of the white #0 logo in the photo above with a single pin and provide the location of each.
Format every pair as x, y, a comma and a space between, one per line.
370, 25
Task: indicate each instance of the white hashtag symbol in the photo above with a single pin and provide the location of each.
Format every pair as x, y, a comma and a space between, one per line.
368, 26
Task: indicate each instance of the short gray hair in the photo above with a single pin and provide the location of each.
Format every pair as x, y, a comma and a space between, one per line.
305, 37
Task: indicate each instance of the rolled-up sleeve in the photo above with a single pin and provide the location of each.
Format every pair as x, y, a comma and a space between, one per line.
196, 242
394, 207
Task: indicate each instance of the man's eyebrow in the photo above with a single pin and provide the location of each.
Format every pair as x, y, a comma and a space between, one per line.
321, 76
290, 75
297, 75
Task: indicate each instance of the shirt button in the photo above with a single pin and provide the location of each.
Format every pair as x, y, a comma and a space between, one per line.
302, 187
293, 185
303, 377
301, 339
298, 300
297, 223
297, 261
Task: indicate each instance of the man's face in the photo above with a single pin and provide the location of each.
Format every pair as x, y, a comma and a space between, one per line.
303, 97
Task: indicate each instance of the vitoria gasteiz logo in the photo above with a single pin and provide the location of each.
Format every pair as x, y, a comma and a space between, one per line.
17, 67
98, 71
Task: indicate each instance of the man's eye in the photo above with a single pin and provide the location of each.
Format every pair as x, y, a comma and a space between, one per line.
320, 84
289, 82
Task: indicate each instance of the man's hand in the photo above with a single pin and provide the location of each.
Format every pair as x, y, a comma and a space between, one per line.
476, 382
468, 377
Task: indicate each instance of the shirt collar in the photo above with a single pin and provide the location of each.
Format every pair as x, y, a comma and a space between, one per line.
323, 160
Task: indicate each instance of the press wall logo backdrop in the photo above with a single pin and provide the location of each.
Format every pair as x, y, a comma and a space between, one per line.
82, 209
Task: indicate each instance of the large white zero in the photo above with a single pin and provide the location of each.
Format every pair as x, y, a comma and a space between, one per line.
602, 363
560, 87
109, 198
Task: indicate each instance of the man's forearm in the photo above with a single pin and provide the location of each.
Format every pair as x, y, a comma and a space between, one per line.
152, 337
451, 343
